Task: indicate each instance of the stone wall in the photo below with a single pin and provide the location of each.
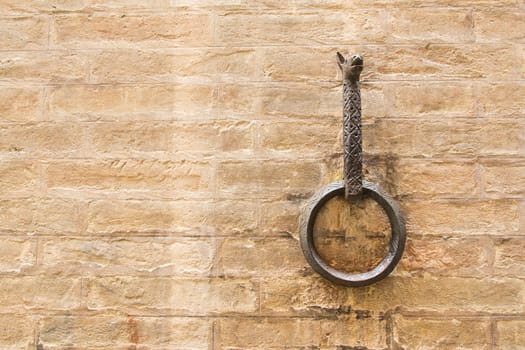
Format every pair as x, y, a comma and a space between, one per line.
154, 155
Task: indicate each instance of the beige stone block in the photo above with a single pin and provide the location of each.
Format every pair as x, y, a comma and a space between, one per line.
438, 62
41, 139
40, 6
504, 178
432, 25
256, 176
502, 99
311, 295
496, 25
159, 217
442, 99
20, 104
16, 215
260, 333
19, 178
299, 64
107, 30
17, 254
16, 332
126, 139
39, 292
421, 333
443, 294
59, 216
502, 138
281, 217
46, 67
291, 101
430, 179
95, 331
366, 330
303, 29
176, 332
473, 217
396, 138
239, 257
138, 102
510, 335
19, 33
130, 175
407, 5
171, 296
220, 64
300, 138
180, 256
521, 59
209, 138
508, 257
448, 256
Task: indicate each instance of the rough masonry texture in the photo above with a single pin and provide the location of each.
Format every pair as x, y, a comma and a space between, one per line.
155, 154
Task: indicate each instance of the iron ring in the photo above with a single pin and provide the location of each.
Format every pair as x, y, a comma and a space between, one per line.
396, 246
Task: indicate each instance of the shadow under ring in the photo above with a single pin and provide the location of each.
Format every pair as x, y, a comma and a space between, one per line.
397, 239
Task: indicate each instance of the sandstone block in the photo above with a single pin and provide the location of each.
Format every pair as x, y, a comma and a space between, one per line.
431, 25
20, 104
509, 257
443, 99
253, 101
19, 33
128, 139
105, 30
39, 292
16, 331
139, 66
441, 334
40, 140
17, 254
240, 257
452, 256
142, 176
46, 67
499, 24
500, 217
502, 99
444, 294
510, 334
180, 256
504, 178
19, 178
253, 176
171, 296
146, 102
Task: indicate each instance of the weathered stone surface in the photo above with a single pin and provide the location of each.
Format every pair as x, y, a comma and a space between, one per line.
24, 33
504, 178
17, 254
19, 178
441, 334
142, 102
260, 257
500, 217
99, 31
20, 104
16, 332
39, 292
180, 256
167, 295
510, 334
509, 258
498, 25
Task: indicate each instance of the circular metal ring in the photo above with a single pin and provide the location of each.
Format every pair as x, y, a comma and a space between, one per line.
397, 240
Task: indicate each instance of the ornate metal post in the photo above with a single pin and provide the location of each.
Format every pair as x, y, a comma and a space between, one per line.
352, 186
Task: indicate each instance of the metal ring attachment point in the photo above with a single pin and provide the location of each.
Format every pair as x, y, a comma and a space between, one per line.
396, 246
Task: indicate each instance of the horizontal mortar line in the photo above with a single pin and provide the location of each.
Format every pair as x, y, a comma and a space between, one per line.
437, 315
419, 45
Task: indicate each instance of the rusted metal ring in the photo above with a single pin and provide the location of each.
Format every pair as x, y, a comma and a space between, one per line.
397, 240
